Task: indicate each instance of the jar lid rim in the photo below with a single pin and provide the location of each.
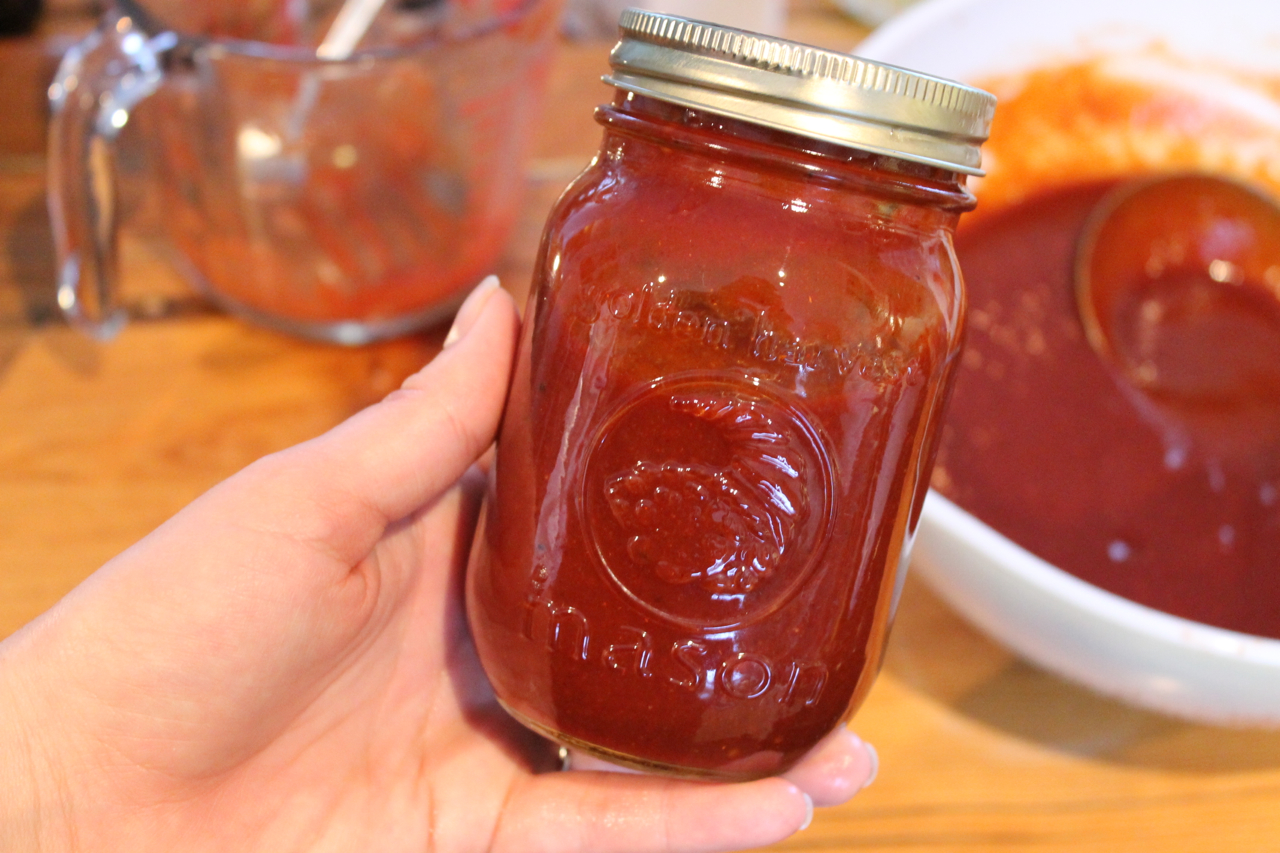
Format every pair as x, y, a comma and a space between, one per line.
824, 94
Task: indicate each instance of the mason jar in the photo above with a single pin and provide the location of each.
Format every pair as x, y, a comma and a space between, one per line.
735, 358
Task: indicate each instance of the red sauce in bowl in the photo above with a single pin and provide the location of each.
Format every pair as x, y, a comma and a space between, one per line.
1058, 449
1044, 442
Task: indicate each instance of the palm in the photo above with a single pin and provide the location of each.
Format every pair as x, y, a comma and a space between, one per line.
401, 746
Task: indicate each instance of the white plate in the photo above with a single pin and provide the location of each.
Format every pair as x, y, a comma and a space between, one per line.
1106, 642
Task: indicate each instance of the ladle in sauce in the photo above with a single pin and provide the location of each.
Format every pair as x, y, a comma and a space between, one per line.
1178, 286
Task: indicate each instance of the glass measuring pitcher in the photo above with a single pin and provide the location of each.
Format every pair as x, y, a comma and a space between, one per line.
344, 199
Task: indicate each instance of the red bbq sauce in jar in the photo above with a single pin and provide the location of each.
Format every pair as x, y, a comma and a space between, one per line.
737, 349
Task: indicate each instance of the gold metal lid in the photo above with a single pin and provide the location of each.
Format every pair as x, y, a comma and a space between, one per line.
822, 94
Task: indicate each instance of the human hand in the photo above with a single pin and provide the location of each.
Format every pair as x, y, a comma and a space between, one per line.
285, 665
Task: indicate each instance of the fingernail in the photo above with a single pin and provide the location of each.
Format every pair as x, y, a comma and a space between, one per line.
875, 765
808, 812
470, 310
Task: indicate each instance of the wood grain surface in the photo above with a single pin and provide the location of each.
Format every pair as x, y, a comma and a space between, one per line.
100, 443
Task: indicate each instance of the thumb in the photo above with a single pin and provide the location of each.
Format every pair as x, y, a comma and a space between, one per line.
337, 493
399, 454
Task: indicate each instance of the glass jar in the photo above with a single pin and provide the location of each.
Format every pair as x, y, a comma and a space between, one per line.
720, 430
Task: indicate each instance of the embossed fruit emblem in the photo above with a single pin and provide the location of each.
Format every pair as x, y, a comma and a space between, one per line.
705, 499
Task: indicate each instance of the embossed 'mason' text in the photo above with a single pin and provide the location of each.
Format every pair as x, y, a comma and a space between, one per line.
693, 664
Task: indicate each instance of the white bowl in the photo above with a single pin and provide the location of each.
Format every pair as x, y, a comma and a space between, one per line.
1104, 641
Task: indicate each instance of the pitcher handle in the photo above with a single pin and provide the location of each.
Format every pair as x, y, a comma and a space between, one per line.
99, 82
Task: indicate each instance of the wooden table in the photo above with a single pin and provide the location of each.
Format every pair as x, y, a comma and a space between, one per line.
98, 444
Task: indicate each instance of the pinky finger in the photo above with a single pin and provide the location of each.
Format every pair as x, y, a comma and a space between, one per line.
841, 765
601, 812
